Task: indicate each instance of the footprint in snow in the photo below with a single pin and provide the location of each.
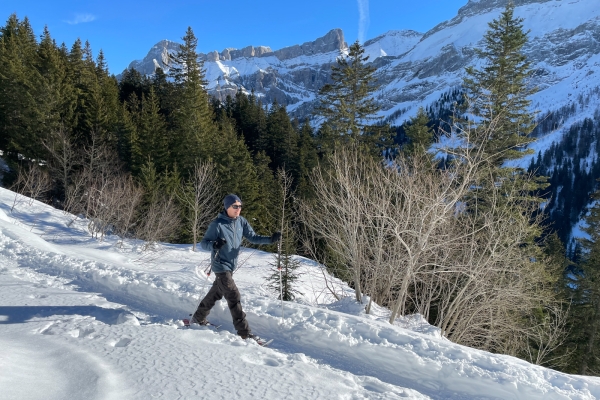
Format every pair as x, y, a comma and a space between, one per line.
84, 332
123, 342
268, 361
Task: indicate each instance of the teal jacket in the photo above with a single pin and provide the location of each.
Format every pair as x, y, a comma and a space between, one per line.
232, 230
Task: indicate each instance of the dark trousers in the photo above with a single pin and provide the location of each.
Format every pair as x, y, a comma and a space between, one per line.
224, 286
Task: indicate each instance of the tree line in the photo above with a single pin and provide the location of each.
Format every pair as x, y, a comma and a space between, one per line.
455, 237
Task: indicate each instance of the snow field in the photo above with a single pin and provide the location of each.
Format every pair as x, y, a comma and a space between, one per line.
98, 320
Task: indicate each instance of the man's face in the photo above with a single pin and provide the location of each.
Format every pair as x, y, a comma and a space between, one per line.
234, 210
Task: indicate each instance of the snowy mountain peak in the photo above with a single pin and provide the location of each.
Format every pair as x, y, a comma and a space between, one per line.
391, 44
481, 6
414, 69
333, 41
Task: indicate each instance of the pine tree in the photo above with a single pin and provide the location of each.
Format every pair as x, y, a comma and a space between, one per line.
347, 105
285, 272
81, 75
282, 140
307, 159
152, 132
192, 116
128, 143
498, 93
497, 96
20, 83
54, 86
132, 82
235, 169
419, 133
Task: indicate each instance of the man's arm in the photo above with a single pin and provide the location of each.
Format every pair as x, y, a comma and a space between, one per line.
210, 236
252, 236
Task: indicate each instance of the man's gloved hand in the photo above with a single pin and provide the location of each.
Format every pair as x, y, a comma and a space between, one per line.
217, 244
276, 237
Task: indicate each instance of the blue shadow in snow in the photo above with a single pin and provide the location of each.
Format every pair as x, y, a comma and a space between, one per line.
21, 314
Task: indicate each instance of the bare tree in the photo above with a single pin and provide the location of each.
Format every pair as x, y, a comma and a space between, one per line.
33, 182
198, 195
405, 234
63, 157
160, 221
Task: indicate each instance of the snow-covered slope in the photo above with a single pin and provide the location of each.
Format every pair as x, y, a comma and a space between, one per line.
391, 44
414, 68
83, 319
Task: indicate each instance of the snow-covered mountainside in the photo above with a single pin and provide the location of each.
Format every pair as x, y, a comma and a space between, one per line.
414, 68
84, 319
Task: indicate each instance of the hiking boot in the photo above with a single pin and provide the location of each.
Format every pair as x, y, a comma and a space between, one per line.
203, 322
256, 338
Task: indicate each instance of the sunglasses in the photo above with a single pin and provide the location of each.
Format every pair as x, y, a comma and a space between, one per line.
236, 207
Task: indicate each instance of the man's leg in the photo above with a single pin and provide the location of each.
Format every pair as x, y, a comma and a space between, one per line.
232, 295
208, 302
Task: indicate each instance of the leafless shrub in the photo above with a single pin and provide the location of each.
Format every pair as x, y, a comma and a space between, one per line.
406, 239
63, 157
32, 182
198, 196
160, 221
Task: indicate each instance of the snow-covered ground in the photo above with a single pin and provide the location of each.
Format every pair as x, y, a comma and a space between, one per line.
84, 319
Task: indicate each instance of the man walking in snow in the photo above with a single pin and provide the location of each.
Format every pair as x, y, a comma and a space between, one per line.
224, 238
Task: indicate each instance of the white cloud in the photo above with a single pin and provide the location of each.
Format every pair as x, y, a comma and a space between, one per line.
81, 19
363, 19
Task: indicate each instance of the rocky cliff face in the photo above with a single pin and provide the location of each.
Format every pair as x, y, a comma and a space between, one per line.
414, 69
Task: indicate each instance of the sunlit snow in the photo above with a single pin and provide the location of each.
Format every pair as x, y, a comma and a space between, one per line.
84, 319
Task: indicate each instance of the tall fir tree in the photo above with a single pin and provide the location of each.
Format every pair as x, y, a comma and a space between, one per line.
308, 159
152, 132
20, 83
498, 93
497, 96
347, 105
54, 86
192, 116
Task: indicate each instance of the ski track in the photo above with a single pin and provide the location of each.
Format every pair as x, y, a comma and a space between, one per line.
331, 353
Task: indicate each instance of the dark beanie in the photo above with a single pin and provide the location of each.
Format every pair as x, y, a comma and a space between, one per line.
229, 200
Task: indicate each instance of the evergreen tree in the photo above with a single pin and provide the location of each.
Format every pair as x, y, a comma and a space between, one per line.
132, 82
235, 169
152, 132
19, 85
347, 105
81, 75
419, 133
128, 143
497, 96
54, 87
588, 288
498, 93
282, 140
285, 272
192, 115
307, 159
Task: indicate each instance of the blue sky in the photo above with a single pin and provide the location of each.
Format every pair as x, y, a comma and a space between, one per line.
126, 30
